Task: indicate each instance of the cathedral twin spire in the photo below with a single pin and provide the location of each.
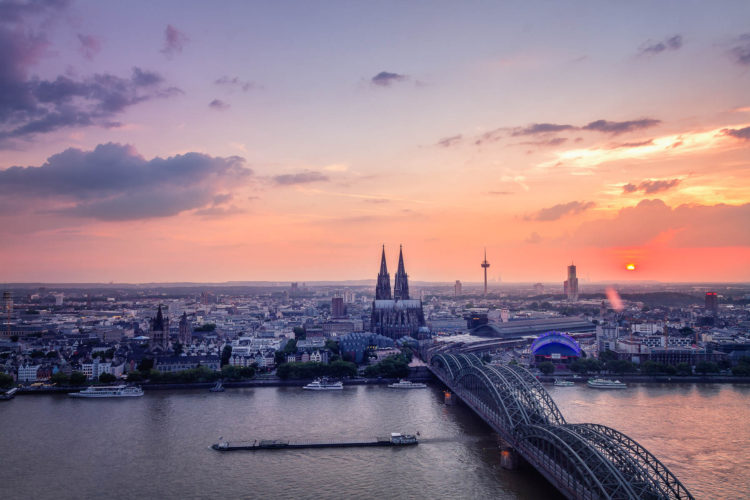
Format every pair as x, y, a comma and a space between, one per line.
401, 283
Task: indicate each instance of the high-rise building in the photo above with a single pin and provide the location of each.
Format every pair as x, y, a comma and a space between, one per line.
457, 288
538, 289
485, 265
712, 303
7, 304
401, 315
571, 284
337, 307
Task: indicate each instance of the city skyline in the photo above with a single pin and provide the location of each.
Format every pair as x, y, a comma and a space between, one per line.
180, 141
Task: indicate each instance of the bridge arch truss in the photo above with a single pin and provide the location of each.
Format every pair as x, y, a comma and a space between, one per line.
581, 460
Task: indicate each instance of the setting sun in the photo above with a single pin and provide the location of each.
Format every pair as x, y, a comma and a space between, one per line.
630, 267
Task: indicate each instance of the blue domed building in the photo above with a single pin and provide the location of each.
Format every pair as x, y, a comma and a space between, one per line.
556, 347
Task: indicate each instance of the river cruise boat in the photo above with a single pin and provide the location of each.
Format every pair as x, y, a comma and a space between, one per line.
564, 383
405, 384
323, 384
601, 383
108, 391
6, 396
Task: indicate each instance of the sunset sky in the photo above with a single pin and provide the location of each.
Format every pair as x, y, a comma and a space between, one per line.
147, 141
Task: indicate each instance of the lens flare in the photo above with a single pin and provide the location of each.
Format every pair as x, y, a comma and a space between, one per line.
630, 267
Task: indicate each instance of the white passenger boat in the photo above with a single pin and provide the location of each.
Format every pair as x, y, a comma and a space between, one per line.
405, 384
108, 391
564, 383
323, 384
601, 383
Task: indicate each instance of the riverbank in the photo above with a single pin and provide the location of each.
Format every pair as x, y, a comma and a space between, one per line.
264, 382
656, 379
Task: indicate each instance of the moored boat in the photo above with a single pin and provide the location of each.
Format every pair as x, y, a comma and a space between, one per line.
323, 384
108, 391
217, 388
10, 394
406, 384
564, 383
602, 383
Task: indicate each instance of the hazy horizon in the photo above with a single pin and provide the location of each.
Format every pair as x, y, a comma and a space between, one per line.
178, 141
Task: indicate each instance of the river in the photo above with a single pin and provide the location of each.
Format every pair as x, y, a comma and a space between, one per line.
157, 446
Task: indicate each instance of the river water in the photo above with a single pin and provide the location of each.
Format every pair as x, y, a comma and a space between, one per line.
157, 446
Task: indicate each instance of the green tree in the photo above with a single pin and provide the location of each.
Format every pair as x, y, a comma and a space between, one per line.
684, 369
135, 376
14, 338
205, 327
652, 367
107, 378
332, 346
607, 356
620, 366
686, 331
178, 348
705, 367
299, 333
231, 372
290, 347
391, 367
6, 380
741, 370
486, 358
59, 378
77, 378
586, 365
226, 353
546, 367
145, 365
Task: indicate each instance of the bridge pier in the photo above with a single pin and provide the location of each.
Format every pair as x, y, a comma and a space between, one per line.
509, 459
449, 398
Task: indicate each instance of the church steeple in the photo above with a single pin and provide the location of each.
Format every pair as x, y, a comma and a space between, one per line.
383, 289
401, 283
159, 321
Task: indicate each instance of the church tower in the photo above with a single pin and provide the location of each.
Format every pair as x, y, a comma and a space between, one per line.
159, 331
401, 283
383, 289
186, 331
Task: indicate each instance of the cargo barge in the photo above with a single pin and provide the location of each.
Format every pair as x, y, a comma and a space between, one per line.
395, 439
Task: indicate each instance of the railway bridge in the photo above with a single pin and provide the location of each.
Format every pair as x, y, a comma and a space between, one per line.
583, 461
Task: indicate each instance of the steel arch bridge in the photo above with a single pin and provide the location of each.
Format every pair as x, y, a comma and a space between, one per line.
587, 461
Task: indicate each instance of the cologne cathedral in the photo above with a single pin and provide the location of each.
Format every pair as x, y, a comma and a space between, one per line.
397, 315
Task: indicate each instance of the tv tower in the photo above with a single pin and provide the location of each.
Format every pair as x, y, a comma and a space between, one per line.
485, 265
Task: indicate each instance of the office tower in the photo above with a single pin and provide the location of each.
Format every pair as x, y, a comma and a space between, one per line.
571, 284
712, 303
457, 288
337, 307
